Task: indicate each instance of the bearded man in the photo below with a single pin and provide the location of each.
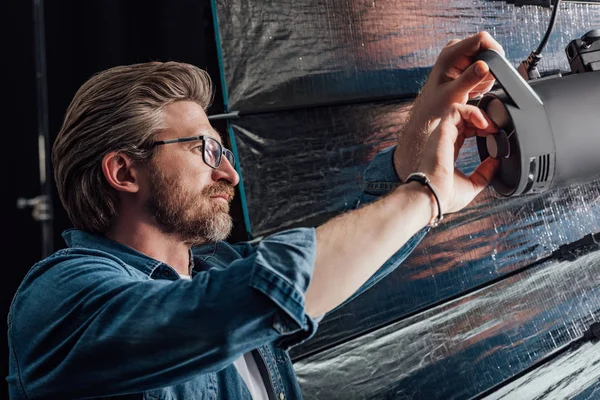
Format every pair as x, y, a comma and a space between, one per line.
148, 301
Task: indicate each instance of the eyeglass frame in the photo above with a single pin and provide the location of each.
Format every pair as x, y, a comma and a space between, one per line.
224, 151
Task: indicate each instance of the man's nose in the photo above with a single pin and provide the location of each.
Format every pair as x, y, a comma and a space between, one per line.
227, 172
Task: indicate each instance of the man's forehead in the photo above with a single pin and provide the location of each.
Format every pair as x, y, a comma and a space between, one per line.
186, 119
202, 130
208, 131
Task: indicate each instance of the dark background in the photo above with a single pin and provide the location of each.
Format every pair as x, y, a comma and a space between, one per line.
82, 37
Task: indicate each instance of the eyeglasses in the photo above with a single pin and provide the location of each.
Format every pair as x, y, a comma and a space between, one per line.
212, 151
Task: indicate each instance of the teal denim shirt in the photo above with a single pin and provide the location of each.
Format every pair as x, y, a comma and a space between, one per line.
101, 320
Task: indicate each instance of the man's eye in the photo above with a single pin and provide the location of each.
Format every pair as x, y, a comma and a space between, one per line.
199, 148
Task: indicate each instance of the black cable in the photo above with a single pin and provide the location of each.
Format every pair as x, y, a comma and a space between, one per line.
528, 68
546, 37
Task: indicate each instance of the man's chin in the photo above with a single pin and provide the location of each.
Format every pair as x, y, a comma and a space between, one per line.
222, 206
218, 229
198, 241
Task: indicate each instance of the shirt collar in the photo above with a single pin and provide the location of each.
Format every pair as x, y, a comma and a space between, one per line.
75, 238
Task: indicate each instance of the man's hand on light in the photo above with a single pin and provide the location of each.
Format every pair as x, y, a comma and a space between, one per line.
455, 78
455, 189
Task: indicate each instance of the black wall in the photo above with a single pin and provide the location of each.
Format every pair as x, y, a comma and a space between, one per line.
21, 234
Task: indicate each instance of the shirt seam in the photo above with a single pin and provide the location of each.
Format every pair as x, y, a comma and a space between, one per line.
269, 278
276, 371
205, 258
269, 367
18, 368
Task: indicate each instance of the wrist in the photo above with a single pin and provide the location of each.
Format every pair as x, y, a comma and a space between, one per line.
426, 209
411, 141
425, 183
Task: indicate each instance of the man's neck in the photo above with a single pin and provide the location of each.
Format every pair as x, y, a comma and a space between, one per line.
148, 239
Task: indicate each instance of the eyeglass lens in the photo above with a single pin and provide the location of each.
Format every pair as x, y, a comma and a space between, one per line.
213, 152
229, 156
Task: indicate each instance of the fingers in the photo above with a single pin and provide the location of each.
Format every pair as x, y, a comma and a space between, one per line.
464, 121
474, 45
483, 87
475, 79
468, 78
467, 188
458, 145
458, 55
473, 117
452, 42
483, 174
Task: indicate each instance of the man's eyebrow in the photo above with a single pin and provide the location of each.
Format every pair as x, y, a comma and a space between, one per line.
208, 131
213, 133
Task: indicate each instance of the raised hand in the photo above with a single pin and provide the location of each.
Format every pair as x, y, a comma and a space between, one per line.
455, 189
455, 78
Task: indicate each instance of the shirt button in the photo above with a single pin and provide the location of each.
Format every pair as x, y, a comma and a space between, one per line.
281, 396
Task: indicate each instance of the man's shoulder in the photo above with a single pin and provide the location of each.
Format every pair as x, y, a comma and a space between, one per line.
76, 256
57, 278
72, 261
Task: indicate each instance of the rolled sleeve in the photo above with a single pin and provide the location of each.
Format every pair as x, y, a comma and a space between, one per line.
282, 270
380, 176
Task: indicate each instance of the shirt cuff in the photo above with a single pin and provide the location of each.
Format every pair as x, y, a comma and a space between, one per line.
380, 177
282, 270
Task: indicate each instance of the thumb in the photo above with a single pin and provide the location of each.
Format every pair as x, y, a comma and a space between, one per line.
483, 174
470, 79
467, 188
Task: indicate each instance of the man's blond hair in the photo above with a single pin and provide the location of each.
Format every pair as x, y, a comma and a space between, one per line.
120, 109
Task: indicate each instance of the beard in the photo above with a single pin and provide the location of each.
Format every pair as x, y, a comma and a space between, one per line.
194, 219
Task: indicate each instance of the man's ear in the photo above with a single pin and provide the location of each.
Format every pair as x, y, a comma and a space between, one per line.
120, 172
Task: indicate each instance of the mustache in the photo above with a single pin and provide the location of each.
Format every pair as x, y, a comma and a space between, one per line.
220, 187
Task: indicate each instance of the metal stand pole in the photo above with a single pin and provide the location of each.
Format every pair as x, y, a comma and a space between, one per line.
42, 204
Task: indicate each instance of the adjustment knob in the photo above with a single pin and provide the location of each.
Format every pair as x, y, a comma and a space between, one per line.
498, 145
